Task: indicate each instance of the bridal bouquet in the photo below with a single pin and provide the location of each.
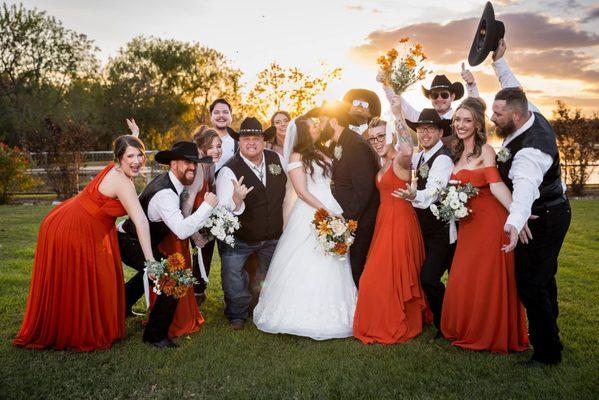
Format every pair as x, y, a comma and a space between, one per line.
334, 234
453, 201
221, 225
170, 275
400, 72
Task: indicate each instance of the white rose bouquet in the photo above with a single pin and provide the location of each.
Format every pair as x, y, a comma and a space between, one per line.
453, 201
221, 225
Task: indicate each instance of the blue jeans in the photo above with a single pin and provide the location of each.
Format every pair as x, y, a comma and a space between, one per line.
235, 279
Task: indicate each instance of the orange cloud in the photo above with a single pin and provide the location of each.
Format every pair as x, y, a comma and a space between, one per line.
552, 42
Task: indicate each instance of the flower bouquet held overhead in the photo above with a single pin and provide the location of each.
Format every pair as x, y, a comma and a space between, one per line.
397, 72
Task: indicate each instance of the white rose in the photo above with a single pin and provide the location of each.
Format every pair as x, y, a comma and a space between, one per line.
461, 213
455, 204
338, 227
463, 197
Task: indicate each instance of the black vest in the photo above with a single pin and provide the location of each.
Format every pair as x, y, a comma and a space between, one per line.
428, 222
262, 218
542, 137
158, 230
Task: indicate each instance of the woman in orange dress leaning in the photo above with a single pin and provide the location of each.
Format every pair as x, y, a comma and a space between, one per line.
481, 309
391, 304
209, 144
76, 297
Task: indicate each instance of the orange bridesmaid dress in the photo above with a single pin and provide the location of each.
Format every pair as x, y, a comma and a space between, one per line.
481, 309
77, 295
391, 304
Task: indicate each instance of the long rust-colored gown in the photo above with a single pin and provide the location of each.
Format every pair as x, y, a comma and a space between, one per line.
77, 295
481, 309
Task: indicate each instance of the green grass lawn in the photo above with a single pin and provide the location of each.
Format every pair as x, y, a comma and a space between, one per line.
219, 363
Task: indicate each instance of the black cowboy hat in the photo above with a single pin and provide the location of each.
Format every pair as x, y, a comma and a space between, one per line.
182, 151
249, 126
333, 109
233, 133
374, 103
441, 82
429, 116
487, 36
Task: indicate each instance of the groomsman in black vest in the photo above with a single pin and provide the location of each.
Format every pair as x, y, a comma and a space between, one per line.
433, 167
260, 215
160, 201
539, 214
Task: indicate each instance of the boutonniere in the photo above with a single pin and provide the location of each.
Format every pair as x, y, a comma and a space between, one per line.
338, 152
423, 170
274, 169
504, 154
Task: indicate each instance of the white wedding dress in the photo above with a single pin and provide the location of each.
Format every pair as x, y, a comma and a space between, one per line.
306, 292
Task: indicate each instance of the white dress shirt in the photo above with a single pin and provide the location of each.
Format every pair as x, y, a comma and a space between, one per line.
529, 164
359, 129
228, 148
166, 206
438, 177
528, 169
224, 185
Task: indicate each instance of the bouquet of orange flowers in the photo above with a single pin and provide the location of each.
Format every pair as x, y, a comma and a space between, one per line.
399, 73
334, 234
170, 275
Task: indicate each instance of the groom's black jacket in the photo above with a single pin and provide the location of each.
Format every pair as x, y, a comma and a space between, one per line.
354, 188
354, 174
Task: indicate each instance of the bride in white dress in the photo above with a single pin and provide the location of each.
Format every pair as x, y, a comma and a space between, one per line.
307, 292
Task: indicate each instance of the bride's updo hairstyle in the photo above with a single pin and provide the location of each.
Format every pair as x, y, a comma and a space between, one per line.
305, 147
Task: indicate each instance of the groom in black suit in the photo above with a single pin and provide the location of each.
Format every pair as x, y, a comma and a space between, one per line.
355, 166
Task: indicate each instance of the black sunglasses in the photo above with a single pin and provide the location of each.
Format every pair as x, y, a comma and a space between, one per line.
444, 95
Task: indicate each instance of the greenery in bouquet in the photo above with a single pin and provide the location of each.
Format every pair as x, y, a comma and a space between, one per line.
334, 234
399, 72
221, 225
453, 202
170, 275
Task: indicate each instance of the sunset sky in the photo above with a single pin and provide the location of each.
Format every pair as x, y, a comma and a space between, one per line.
553, 45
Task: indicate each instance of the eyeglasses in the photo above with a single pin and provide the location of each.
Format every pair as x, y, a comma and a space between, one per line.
360, 103
444, 95
377, 139
426, 129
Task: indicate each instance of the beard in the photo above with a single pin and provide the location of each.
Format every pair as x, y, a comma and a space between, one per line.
326, 133
505, 131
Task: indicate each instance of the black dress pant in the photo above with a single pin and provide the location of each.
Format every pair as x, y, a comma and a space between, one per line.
437, 260
359, 248
207, 252
132, 255
536, 267
164, 308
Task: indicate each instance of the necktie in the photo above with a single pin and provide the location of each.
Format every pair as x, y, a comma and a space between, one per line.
260, 173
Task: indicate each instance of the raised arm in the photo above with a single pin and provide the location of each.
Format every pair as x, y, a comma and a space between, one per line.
507, 79
468, 77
